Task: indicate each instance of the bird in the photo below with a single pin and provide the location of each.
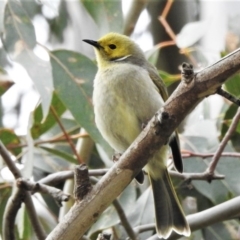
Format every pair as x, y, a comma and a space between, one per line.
127, 92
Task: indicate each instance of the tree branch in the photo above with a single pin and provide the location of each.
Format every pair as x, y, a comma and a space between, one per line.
10, 213
58, 177
82, 184
189, 154
127, 226
145, 228
22, 195
223, 143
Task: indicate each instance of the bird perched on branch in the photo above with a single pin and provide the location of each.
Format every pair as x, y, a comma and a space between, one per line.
127, 93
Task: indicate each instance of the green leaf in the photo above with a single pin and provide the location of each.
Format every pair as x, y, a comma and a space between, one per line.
227, 120
169, 78
217, 191
8, 137
232, 85
110, 217
40, 127
47, 162
19, 32
32, 8
143, 211
73, 75
4, 86
5, 193
19, 39
64, 155
106, 14
5, 82
40, 73
24, 225
221, 231
60, 22
152, 55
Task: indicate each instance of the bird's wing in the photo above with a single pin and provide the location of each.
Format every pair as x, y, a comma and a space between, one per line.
152, 71
174, 142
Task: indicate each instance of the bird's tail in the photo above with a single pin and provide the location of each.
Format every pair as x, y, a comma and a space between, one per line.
168, 211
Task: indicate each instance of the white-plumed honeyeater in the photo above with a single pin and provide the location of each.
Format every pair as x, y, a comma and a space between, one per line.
127, 93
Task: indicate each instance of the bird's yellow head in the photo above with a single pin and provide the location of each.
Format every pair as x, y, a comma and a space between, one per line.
114, 47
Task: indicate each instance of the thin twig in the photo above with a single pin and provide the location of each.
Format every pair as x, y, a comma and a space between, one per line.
41, 235
34, 187
7, 159
61, 138
66, 135
204, 176
162, 19
133, 14
58, 177
189, 154
10, 213
228, 96
223, 143
127, 226
145, 228
25, 196
166, 44
167, 8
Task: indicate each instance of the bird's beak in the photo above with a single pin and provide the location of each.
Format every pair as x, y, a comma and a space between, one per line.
93, 43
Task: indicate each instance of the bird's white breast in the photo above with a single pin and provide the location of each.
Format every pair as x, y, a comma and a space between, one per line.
124, 98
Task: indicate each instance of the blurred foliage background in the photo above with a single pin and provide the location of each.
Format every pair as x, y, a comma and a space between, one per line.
46, 82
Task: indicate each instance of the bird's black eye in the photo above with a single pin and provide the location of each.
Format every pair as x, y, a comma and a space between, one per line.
112, 46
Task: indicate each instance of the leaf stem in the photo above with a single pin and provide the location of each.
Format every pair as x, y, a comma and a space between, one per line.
69, 140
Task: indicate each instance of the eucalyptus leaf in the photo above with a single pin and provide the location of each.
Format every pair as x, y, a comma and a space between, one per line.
221, 231
73, 75
232, 85
191, 33
19, 39
18, 30
4, 86
107, 14
40, 127
5, 193
8, 138
169, 79
62, 154
47, 162
24, 225
152, 55
110, 217
143, 211
217, 191
40, 72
